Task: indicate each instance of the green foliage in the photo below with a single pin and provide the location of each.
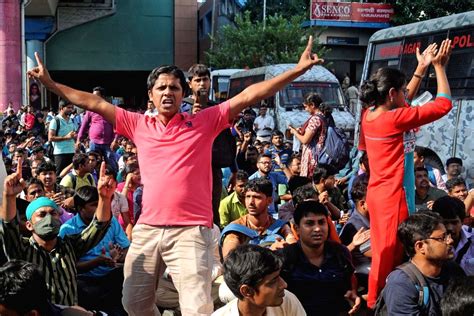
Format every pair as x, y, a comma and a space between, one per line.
286, 8
248, 44
409, 11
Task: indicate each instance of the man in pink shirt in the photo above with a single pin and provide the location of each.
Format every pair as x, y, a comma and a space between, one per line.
174, 229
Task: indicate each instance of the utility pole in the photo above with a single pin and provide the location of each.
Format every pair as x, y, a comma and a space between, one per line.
264, 13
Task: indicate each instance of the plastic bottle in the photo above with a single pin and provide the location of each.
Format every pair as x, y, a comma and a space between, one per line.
424, 98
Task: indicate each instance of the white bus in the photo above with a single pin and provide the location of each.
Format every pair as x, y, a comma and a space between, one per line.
452, 135
287, 105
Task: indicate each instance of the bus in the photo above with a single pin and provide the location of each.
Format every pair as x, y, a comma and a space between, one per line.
286, 106
220, 83
452, 135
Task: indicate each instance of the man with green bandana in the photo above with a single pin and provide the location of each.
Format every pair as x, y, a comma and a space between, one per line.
55, 256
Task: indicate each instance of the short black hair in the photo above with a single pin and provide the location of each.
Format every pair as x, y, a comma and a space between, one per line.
109, 171
449, 207
453, 160
63, 103
260, 185
305, 208
296, 182
32, 181
45, 167
79, 159
277, 133
458, 299
249, 265
100, 89
169, 70
416, 227
454, 182
264, 156
23, 288
198, 70
241, 175
323, 171
421, 169
359, 191
420, 151
303, 193
84, 195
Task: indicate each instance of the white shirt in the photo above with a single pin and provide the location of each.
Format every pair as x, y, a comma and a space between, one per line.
291, 306
264, 122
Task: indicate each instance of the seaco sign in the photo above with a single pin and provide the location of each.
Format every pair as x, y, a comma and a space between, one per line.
351, 11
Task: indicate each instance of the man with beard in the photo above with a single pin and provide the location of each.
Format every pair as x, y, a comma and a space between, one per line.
278, 149
425, 194
430, 248
63, 138
55, 256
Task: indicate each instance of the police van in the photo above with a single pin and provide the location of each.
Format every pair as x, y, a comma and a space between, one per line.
286, 105
452, 135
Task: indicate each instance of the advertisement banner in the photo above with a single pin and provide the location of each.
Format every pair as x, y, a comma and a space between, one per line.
351, 11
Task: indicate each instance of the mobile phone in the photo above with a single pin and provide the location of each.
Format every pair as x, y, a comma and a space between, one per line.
202, 98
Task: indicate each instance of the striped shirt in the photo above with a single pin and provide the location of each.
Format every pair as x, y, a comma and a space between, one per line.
57, 266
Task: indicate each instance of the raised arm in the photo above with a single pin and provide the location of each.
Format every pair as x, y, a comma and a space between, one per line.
106, 188
424, 60
85, 100
12, 186
267, 88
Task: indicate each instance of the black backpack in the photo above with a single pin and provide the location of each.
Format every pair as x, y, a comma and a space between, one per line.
336, 149
420, 283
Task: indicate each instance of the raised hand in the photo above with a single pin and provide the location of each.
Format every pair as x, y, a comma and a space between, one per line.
40, 72
442, 57
361, 237
308, 59
106, 185
425, 58
14, 183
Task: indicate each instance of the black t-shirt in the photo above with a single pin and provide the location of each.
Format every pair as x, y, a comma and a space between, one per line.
321, 289
401, 296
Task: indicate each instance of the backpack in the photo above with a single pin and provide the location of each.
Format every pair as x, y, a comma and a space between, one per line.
421, 285
50, 147
264, 240
336, 149
90, 179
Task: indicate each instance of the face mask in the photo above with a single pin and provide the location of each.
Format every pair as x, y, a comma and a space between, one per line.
47, 228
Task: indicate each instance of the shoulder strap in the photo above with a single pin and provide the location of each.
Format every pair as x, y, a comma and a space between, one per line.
275, 227
58, 125
232, 227
90, 179
463, 251
420, 282
73, 179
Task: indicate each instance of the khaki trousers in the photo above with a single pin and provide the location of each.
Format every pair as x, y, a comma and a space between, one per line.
187, 252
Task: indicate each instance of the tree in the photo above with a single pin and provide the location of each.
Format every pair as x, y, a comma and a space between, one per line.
248, 44
409, 11
286, 8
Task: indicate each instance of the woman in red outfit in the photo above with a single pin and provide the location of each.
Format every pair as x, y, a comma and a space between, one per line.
383, 127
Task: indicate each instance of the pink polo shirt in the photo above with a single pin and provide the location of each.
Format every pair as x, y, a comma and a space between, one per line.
175, 163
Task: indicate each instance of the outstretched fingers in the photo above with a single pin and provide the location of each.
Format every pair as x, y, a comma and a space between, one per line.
38, 60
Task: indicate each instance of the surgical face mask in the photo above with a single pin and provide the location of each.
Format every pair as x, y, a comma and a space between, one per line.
47, 228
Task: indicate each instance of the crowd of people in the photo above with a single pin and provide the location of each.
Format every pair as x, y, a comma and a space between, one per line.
198, 208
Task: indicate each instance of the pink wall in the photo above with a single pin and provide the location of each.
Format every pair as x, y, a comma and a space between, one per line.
10, 53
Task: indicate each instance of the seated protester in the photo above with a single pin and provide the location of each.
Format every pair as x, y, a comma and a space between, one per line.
21, 153
253, 275
317, 270
34, 189
34, 166
23, 291
453, 168
362, 175
425, 194
457, 188
232, 207
133, 181
94, 163
430, 249
37, 153
55, 256
99, 279
60, 195
80, 175
434, 174
128, 158
265, 171
356, 235
453, 214
119, 206
277, 148
329, 194
167, 295
458, 299
258, 198
247, 159
294, 165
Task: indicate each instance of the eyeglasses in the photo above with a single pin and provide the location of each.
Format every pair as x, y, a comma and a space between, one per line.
444, 238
